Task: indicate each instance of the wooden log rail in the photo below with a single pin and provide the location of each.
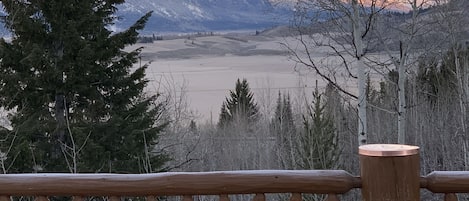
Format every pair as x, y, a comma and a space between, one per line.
388, 173
331, 182
447, 182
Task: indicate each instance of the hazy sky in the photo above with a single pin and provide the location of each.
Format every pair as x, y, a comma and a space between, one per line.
404, 5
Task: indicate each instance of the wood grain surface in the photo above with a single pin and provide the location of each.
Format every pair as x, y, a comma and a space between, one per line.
203, 183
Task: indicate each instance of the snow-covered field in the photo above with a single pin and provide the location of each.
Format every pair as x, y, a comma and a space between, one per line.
206, 68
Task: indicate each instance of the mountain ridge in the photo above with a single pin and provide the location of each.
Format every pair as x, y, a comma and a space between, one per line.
182, 16
203, 15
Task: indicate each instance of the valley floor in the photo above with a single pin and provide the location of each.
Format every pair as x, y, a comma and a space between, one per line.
204, 69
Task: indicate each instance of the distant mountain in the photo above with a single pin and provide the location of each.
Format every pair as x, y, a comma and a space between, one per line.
203, 15
199, 15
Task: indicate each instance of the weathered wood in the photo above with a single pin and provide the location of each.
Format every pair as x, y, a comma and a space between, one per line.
152, 198
448, 182
451, 197
259, 197
224, 197
114, 198
390, 173
204, 183
187, 198
296, 197
5, 198
79, 198
41, 198
332, 197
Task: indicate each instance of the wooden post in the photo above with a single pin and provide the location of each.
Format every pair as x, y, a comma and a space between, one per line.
390, 172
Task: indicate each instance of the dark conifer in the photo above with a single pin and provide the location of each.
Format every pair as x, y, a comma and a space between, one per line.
79, 102
240, 107
318, 146
283, 128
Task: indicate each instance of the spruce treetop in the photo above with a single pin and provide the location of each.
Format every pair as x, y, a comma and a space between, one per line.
239, 106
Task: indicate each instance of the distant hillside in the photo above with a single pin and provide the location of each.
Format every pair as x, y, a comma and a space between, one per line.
204, 15
200, 15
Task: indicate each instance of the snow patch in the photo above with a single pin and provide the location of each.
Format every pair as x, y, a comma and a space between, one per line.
4, 121
128, 7
163, 12
196, 11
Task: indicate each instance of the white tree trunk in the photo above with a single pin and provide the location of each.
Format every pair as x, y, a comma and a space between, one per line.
402, 65
362, 102
402, 110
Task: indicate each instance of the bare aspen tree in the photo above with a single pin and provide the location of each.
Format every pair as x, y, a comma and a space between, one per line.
362, 102
359, 34
452, 21
344, 28
404, 36
180, 139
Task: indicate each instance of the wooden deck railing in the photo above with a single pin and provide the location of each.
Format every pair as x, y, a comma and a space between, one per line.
179, 184
447, 182
385, 175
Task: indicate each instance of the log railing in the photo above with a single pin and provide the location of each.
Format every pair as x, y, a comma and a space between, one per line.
179, 184
388, 172
447, 182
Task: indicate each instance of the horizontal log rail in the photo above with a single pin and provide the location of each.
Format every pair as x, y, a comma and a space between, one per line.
387, 173
209, 183
446, 182
183, 183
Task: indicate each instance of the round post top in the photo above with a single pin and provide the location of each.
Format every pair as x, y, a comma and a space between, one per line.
387, 150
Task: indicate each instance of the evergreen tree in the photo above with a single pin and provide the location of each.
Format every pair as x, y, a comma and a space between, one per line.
193, 127
282, 126
239, 107
79, 102
225, 116
318, 145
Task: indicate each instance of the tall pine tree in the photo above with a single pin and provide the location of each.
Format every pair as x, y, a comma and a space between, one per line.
79, 102
239, 107
318, 145
283, 128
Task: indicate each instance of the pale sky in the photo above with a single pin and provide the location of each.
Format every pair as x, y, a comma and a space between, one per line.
404, 5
